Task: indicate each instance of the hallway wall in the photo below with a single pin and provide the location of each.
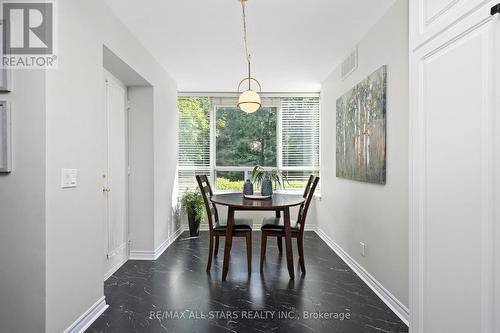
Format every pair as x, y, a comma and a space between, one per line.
75, 139
22, 209
352, 212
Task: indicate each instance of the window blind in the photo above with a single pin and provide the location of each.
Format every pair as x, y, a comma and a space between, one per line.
300, 130
193, 141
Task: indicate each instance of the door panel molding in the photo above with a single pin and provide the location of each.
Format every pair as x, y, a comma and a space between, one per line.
430, 18
425, 26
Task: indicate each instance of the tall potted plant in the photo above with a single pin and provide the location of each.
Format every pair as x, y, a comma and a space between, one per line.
265, 178
192, 204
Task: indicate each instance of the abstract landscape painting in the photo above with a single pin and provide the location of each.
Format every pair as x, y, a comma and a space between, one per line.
361, 130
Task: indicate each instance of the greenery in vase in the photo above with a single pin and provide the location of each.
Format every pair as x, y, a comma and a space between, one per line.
259, 173
193, 202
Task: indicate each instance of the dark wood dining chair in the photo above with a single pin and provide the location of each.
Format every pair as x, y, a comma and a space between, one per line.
274, 226
217, 227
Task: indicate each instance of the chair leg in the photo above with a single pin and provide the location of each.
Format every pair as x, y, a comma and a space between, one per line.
280, 244
300, 247
216, 250
249, 251
210, 250
263, 243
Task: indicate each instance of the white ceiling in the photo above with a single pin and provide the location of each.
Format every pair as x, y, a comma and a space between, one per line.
294, 44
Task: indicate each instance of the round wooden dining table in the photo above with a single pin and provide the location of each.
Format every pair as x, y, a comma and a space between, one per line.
278, 203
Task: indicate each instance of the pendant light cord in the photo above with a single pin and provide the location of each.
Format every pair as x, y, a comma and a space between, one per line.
247, 53
245, 39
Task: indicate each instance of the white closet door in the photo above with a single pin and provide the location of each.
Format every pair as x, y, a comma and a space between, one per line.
431, 17
115, 181
455, 147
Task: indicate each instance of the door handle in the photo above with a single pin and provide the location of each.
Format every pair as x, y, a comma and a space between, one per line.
495, 9
106, 189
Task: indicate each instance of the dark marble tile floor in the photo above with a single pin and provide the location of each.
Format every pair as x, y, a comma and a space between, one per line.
175, 294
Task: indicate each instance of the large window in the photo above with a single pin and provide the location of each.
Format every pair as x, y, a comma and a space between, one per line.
246, 139
218, 139
194, 156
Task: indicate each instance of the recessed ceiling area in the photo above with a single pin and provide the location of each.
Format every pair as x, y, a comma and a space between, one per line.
294, 44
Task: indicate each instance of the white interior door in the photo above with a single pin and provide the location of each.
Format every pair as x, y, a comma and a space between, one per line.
115, 177
455, 202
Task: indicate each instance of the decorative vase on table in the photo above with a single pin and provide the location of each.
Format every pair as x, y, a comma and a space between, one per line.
248, 188
267, 186
194, 225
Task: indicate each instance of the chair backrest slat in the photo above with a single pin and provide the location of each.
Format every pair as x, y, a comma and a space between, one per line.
206, 192
207, 189
308, 186
308, 195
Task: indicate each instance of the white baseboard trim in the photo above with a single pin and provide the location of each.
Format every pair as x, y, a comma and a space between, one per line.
256, 227
122, 251
163, 246
311, 228
86, 319
389, 299
115, 268
141, 255
153, 255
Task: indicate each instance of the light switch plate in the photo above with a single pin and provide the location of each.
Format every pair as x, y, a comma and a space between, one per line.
68, 178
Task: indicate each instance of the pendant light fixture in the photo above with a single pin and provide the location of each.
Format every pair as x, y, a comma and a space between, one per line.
249, 100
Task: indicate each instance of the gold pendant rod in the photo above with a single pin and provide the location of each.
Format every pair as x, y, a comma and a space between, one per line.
249, 77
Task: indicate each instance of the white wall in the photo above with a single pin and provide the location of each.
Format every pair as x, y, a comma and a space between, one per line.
75, 139
22, 209
165, 160
351, 212
141, 181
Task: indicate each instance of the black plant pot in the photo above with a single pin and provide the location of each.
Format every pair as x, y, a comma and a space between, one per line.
194, 225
